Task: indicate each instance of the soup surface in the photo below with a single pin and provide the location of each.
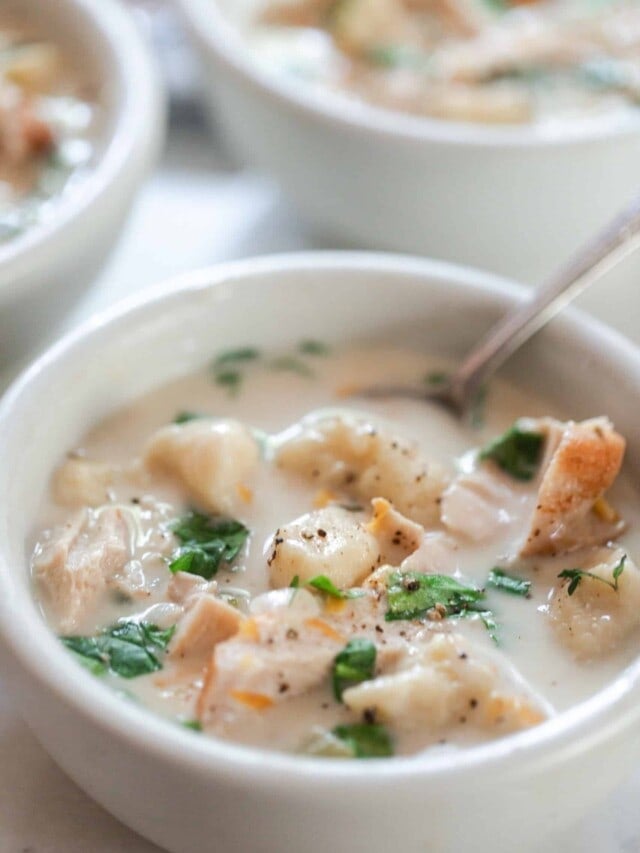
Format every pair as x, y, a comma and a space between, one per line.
254, 554
548, 62
47, 118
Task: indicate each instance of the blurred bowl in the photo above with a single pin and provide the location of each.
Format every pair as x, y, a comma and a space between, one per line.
513, 200
44, 269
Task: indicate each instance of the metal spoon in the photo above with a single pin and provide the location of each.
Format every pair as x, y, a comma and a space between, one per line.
601, 253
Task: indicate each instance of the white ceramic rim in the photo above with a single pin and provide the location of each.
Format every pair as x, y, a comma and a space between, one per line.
50, 664
211, 27
133, 137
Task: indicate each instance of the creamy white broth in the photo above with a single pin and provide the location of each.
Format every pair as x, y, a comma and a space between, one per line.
272, 400
552, 62
48, 125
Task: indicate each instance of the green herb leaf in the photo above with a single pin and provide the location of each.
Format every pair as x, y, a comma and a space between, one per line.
575, 576
231, 379
366, 740
499, 579
310, 347
412, 594
323, 584
398, 56
128, 648
295, 583
194, 725
517, 452
486, 617
292, 364
436, 377
208, 541
184, 417
234, 355
354, 664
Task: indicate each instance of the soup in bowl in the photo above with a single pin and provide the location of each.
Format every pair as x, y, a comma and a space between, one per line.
502, 149
460, 60
243, 588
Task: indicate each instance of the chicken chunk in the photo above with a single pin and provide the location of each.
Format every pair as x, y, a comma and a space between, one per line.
83, 482
212, 459
601, 611
288, 650
350, 455
207, 621
445, 682
557, 510
339, 544
479, 503
79, 561
582, 462
327, 542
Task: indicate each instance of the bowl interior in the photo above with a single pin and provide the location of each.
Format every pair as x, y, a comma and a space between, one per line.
268, 303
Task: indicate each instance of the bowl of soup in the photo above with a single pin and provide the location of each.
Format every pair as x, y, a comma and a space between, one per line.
494, 134
230, 581
80, 125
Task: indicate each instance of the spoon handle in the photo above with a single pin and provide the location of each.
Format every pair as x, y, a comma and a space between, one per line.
600, 254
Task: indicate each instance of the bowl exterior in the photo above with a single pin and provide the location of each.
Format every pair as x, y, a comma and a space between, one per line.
44, 273
518, 210
189, 793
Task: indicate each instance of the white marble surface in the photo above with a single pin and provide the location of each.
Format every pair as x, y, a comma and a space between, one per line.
195, 211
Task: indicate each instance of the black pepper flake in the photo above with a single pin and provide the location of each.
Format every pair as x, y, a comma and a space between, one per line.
292, 634
473, 703
369, 715
379, 629
463, 655
283, 687
135, 500
322, 533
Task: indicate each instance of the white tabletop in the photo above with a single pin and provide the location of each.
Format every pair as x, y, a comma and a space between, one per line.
196, 211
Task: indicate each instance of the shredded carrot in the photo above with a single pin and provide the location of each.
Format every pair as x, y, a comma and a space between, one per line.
323, 497
605, 511
324, 628
256, 701
347, 390
246, 495
334, 605
511, 709
249, 630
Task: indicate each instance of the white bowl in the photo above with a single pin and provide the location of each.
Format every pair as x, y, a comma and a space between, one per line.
515, 201
44, 270
190, 793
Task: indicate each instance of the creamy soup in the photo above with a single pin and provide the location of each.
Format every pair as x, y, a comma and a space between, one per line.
46, 123
255, 554
491, 61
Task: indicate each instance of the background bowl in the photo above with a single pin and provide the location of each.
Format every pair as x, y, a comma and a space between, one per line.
509, 200
188, 793
44, 270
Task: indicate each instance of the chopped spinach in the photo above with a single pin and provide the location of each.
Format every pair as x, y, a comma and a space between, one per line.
128, 648
292, 364
324, 584
517, 452
230, 379
365, 740
207, 542
194, 725
311, 347
184, 417
499, 579
411, 595
354, 664
234, 355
